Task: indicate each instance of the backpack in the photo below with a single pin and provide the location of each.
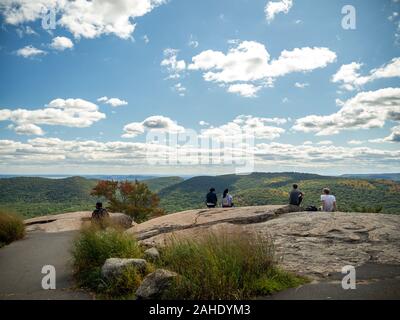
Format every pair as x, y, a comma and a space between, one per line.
225, 202
311, 208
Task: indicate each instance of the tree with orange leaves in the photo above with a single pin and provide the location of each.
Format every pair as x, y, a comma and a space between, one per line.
132, 198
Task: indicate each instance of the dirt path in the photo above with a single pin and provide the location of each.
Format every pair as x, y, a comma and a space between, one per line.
21, 264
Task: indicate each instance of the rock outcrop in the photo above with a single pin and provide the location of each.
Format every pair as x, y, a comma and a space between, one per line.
71, 221
149, 230
315, 244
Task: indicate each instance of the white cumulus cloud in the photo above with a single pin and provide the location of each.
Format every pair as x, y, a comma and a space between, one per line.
249, 62
49, 152
246, 126
83, 18
244, 89
393, 137
30, 51
76, 113
366, 110
153, 123
350, 79
61, 43
272, 8
29, 129
114, 102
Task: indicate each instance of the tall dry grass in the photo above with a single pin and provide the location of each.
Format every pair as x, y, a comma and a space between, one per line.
224, 266
11, 228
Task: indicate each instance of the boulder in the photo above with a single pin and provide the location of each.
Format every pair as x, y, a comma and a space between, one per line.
154, 284
122, 220
152, 254
115, 266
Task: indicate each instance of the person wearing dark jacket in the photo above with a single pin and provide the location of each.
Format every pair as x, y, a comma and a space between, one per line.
99, 214
296, 196
211, 199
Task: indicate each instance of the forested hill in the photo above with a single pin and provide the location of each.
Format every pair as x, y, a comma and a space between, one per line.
31, 196
33, 189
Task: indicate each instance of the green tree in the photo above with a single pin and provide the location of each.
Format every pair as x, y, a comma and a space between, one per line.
132, 198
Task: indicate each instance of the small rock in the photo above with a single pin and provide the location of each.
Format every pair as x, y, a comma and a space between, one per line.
155, 284
152, 254
115, 266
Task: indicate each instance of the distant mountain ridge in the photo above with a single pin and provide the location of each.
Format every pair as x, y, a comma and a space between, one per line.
32, 196
387, 176
129, 177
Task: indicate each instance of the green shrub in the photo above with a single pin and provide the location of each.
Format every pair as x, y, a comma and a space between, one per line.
224, 266
11, 228
92, 248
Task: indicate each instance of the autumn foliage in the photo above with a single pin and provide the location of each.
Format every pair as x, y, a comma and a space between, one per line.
132, 198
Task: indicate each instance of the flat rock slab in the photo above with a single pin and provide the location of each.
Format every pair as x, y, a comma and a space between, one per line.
317, 244
151, 231
65, 222
21, 264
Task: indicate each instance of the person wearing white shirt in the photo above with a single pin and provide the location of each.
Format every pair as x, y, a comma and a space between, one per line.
227, 199
328, 201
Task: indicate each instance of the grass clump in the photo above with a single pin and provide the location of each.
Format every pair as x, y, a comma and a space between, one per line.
124, 285
94, 245
11, 228
224, 266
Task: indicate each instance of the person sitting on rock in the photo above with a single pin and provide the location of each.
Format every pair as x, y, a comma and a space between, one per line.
296, 196
328, 201
211, 199
227, 199
99, 214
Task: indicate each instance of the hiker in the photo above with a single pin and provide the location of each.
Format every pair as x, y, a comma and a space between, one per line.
99, 214
227, 199
211, 199
295, 196
328, 201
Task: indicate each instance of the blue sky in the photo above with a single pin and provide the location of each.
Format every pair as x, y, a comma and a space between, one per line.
319, 98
